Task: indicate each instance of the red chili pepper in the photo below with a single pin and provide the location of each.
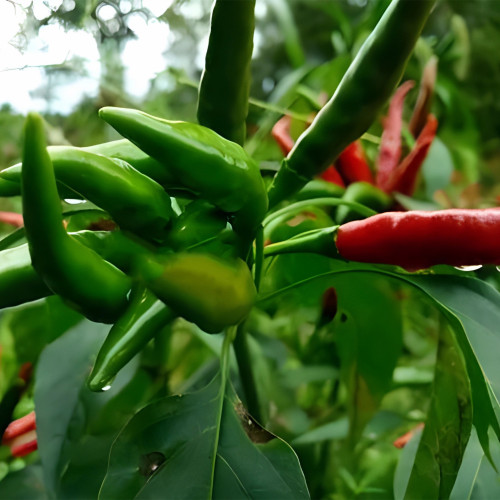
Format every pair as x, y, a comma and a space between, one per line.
402, 441
417, 240
331, 175
20, 435
404, 178
352, 166
423, 104
281, 134
390, 143
12, 218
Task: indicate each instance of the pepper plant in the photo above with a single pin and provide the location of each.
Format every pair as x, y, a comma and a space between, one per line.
180, 240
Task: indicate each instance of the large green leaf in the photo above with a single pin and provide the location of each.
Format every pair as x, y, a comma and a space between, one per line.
75, 427
447, 428
61, 372
472, 308
201, 445
25, 484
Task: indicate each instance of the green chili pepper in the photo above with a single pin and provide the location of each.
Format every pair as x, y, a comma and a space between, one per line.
121, 149
19, 282
360, 96
365, 194
135, 201
143, 319
87, 282
204, 289
225, 83
219, 170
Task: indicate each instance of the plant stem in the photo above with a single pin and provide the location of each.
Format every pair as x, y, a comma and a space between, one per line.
247, 375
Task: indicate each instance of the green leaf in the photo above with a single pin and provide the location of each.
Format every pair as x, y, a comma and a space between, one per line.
173, 446
332, 430
405, 465
473, 309
437, 168
35, 325
61, 372
26, 484
447, 428
468, 473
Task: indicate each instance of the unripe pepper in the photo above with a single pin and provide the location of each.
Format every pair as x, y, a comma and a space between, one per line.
225, 83
219, 170
143, 319
360, 96
135, 201
208, 291
417, 239
121, 149
80, 276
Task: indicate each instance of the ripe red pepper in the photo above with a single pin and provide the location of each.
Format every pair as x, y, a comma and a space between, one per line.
417, 239
11, 218
352, 166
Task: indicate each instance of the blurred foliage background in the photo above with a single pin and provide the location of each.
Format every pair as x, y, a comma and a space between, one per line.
301, 48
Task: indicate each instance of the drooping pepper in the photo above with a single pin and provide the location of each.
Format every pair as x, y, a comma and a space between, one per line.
225, 83
364, 89
204, 289
79, 275
417, 239
135, 201
219, 170
121, 149
143, 319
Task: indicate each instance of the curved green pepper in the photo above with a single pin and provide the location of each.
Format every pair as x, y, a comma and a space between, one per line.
125, 150
360, 96
365, 194
143, 319
225, 83
87, 282
206, 290
19, 282
135, 201
121, 149
219, 170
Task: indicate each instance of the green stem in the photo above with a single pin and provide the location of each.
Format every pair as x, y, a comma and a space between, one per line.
224, 373
294, 207
247, 375
259, 256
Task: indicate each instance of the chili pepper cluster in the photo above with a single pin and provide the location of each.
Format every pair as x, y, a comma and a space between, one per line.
159, 264
164, 260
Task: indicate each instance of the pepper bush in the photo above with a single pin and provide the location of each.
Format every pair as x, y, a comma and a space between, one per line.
247, 353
